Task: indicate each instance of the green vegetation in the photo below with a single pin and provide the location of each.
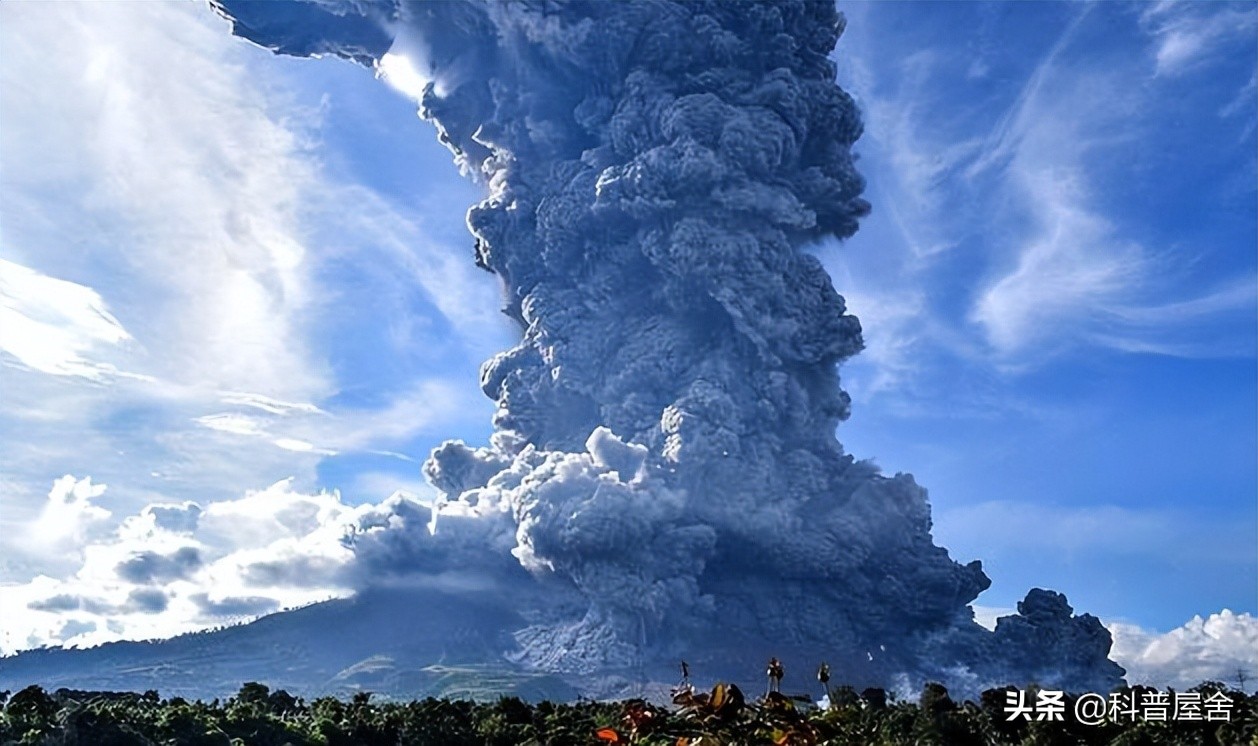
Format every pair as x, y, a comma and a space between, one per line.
722, 717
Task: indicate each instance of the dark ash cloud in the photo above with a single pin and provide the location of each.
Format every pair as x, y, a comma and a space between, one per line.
664, 463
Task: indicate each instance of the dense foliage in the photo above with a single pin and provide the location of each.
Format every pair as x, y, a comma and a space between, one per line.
723, 717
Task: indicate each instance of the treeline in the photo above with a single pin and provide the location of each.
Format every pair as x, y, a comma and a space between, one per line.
721, 717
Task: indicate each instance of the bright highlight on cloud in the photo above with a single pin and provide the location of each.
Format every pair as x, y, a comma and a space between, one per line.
55, 326
68, 516
402, 74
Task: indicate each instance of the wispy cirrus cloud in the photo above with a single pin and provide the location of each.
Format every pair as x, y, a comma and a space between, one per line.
175, 320
1188, 35
425, 406
998, 238
1076, 277
189, 214
149, 232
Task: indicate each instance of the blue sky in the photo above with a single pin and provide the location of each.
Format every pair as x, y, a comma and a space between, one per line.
1060, 277
240, 286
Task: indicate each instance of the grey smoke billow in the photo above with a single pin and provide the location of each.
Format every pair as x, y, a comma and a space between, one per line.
664, 476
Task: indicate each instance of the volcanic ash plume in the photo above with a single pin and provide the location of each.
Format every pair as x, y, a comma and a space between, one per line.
664, 465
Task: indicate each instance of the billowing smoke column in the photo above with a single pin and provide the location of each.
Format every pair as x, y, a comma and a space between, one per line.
664, 465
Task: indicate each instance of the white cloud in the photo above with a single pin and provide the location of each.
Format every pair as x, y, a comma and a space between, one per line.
1071, 265
388, 483
237, 424
987, 615
1173, 328
267, 404
1239, 295
893, 341
68, 516
192, 209
1019, 120
426, 406
1244, 98
1209, 649
264, 516
173, 568
52, 536
1075, 278
1187, 35
152, 201
1078, 281
409, 259
1068, 260
300, 446
54, 326
923, 162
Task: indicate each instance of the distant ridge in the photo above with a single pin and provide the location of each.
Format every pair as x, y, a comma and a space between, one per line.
401, 643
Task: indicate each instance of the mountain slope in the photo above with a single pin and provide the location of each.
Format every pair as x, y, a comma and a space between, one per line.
397, 643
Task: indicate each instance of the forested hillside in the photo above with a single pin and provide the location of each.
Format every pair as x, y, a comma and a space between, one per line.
721, 717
